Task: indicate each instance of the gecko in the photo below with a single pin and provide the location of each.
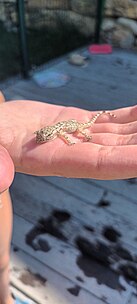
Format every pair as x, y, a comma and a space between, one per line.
63, 128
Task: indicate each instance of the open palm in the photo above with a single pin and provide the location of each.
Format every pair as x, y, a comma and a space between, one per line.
111, 154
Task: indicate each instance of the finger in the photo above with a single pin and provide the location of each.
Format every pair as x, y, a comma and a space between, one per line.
108, 139
125, 115
95, 161
127, 128
82, 160
6, 169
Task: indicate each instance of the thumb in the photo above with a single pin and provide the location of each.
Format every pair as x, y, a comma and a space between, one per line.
6, 169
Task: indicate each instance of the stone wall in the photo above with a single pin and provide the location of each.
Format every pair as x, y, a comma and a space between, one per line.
119, 26
120, 23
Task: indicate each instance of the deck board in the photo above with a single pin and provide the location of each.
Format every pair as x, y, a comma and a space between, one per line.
82, 208
107, 82
58, 259
104, 83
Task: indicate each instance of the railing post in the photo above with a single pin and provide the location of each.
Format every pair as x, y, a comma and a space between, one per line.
23, 38
99, 17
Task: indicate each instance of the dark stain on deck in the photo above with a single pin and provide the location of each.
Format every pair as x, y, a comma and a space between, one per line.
123, 253
31, 279
111, 234
97, 251
79, 279
44, 245
74, 290
104, 203
130, 271
61, 216
96, 259
89, 228
51, 225
103, 274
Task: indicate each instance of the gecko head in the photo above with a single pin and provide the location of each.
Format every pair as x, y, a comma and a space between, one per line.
44, 135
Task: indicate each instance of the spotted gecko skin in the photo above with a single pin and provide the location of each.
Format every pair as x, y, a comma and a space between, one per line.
62, 128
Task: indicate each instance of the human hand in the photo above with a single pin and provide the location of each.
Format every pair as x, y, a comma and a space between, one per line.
112, 153
6, 164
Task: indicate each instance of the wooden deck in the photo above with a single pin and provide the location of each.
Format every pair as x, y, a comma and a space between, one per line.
75, 241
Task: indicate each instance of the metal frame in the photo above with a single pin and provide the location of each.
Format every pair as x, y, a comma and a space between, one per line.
23, 38
99, 17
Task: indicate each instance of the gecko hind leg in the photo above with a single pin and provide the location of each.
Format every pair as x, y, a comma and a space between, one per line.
84, 133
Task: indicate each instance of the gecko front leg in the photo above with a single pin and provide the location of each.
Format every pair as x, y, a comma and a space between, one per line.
66, 138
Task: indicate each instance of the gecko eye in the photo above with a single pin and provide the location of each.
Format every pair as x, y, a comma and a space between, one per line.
39, 136
43, 135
